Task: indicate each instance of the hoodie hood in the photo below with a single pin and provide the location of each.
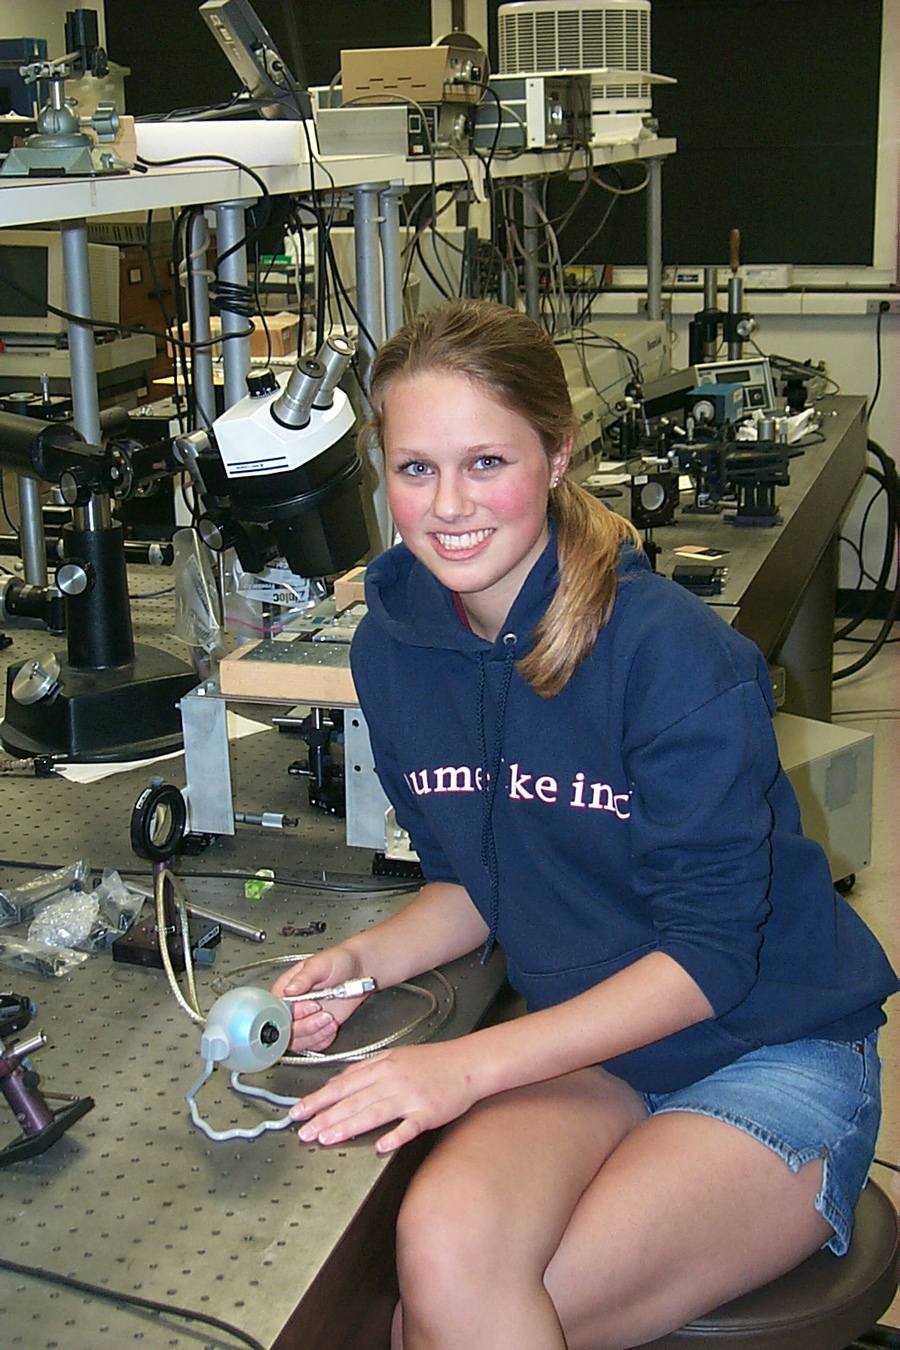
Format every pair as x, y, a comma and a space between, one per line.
413, 607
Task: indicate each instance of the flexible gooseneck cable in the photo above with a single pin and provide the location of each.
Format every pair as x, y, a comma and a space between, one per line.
215, 1049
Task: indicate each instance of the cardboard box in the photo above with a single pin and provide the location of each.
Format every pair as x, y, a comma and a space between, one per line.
284, 334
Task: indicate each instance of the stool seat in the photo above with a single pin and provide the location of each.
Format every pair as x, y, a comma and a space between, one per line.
823, 1304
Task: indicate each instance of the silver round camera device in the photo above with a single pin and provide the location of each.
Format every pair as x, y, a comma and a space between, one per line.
247, 1030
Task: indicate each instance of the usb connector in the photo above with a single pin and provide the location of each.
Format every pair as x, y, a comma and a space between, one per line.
348, 989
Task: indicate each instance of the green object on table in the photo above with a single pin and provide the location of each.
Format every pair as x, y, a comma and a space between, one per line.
256, 887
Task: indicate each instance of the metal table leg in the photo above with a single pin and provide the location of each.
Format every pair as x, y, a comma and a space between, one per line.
654, 238
369, 278
31, 532
230, 231
201, 357
530, 243
389, 228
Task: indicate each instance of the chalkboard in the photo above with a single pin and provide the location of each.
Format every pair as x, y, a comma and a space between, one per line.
776, 117
775, 113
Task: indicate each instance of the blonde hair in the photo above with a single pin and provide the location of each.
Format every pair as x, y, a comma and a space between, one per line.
515, 361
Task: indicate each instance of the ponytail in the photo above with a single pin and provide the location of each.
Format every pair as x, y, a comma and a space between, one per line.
589, 540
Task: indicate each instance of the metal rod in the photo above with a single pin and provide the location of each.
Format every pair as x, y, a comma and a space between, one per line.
710, 287
530, 244
366, 225
507, 284
735, 304
31, 531
22, 1049
201, 358
230, 230
393, 264
82, 360
654, 238
710, 303
244, 930
369, 277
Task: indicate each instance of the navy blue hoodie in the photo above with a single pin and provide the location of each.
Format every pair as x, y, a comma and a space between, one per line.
641, 809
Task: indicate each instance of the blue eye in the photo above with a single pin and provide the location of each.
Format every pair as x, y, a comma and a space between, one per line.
414, 468
489, 461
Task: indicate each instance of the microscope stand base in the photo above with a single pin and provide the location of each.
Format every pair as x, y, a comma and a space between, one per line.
121, 712
30, 1145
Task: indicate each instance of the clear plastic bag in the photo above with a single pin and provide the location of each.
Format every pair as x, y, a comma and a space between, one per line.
88, 921
196, 601
69, 920
120, 901
36, 958
263, 604
18, 904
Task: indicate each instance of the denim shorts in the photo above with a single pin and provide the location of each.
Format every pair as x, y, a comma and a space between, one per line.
805, 1099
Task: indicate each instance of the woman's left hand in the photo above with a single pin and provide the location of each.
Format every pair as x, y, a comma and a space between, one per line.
420, 1086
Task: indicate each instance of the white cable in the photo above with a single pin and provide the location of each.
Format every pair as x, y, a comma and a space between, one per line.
194, 1012
622, 192
306, 1056
365, 1051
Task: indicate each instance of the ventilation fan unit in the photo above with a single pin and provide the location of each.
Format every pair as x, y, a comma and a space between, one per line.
609, 40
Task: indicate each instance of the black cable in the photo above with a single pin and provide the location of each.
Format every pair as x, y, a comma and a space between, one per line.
238, 103
298, 883
150, 595
893, 501
183, 265
865, 712
248, 238
881, 311
343, 289
864, 575
604, 341
323, 235
265, 204
6, 509
167, 321
258, 298
417, 249
116, 1296
106, 326
887, 481
787, 366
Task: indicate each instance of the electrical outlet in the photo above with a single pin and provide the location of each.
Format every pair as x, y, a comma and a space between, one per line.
883, 306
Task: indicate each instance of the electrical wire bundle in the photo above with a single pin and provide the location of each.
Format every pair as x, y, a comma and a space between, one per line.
886, 478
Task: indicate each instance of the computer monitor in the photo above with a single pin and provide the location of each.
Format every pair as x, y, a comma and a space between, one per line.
32, 260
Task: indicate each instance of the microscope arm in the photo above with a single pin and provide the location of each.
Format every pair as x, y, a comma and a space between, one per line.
54, 452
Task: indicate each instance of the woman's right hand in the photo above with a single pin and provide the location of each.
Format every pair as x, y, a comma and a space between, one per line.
315, 1024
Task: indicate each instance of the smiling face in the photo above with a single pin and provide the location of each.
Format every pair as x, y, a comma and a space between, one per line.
468, 481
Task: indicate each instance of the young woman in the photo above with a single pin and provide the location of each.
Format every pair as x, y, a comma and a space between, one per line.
583, 755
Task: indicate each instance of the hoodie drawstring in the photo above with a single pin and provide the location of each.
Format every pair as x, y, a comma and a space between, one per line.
491, 771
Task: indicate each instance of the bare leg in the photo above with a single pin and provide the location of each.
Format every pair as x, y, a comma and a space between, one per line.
486, 1211
687, 1213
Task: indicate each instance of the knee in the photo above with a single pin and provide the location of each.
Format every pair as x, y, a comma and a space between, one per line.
449, 1234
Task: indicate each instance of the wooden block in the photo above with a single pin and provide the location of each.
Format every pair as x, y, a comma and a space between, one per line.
349, 589
317, 673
